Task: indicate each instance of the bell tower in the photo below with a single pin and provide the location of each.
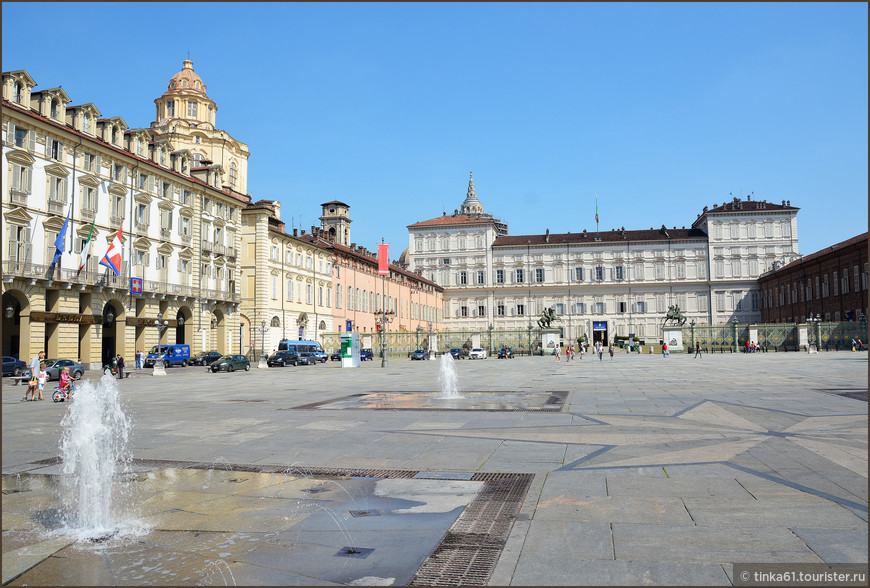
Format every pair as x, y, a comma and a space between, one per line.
336, 221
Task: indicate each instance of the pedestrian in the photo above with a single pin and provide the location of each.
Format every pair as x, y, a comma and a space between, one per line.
697, 349
120, 361
41, 379
138, 359
610, 349
854, 345
569, 352
664, 350
600, 346
580, 348
556, 353
32, 384
860, 345
34, 363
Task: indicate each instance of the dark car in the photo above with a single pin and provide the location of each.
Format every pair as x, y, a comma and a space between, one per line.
13, 367
419, 354
308, 358
335, 356
505, 353
456, 352
365, 354
231, 363
53, 367
204, 358
282, 358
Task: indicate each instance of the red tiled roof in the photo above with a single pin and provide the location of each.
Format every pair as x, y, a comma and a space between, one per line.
825, 251
454, 219
590, 237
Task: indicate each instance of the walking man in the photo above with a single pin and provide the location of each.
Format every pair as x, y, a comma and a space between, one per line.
120, 361
697, 349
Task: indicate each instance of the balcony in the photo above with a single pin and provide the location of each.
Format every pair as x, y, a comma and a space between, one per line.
88, 214
231, 252
164, 233
56, 206
220, 249
116, 220
18, 197
185, 239
207, 246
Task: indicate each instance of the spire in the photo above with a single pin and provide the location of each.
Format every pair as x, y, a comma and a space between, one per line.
471, 205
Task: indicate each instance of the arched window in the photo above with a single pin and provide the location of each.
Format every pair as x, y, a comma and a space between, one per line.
275, 322
233, 174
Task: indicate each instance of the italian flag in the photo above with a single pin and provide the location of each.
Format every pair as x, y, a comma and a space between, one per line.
86, 250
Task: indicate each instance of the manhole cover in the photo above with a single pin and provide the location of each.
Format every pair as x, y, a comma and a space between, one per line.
357, 552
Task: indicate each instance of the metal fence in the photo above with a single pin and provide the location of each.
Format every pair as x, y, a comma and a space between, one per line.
774, 337
402, 343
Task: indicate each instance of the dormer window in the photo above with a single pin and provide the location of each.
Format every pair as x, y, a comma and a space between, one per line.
86, 123
114, 135
55, 108
162, 156
139, 146
233, 174
17, 92
183, 83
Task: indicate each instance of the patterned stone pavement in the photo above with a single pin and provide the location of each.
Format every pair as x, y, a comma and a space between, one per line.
661, 471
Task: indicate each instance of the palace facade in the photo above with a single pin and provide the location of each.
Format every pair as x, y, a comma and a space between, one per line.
608, 283
179, 219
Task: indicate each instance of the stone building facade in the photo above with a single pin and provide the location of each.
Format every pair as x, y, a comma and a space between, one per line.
608, 283
287, 290
830, 284
180, 233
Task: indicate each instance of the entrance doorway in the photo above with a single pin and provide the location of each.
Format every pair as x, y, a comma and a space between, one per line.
108, 348
599, 332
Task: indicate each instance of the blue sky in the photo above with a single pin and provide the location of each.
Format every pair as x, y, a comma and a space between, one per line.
659, 109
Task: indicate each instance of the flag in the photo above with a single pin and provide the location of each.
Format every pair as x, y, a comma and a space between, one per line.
61, 238
383, 259
86, 250
596, 209
112, 258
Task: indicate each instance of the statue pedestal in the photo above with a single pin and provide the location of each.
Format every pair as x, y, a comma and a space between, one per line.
673, 336
159, 368
549, 340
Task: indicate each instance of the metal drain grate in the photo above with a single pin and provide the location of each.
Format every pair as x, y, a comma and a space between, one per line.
356, 552
469, 552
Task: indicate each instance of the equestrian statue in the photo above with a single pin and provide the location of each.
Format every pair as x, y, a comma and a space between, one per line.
547, 317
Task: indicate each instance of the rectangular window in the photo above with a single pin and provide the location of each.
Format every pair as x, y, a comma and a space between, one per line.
191, 108
481, 275
836, 284
89, 161
640, 306
481, 311
539, 275
143, 179
89, 198
185, 227
446, 261
599, 308
521, 309
620, 272
463, 277
720, 268
681, 270
660, 271
755, 301
500, 309
720, 301
580, 308
751, 230
845, 282
520, 276
768, 229
622, 306
578, 274
499, 276
463, 311
599, 272
142, 214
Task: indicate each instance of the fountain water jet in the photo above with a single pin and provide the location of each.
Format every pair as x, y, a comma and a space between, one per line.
93, 447
448, 380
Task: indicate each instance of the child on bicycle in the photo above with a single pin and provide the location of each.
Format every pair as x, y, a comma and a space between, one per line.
65, 385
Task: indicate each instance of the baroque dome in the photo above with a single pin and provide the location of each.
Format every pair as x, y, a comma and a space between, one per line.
187, 80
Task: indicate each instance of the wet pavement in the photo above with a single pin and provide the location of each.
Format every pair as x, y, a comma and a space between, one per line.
640, 470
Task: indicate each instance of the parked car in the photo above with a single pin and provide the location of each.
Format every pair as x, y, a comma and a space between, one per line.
13, 367
308, 358
365, 354
335, 356
204, 358
477, 353
456, 352
231, 363
53, 367
283, 358
505, 353
419, 354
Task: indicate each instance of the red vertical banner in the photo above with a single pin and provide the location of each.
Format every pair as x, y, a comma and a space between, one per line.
384, 259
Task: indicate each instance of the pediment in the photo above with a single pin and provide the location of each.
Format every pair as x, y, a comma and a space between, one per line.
18, 216
117, 189
185, 211
142, 243
186, 253
142, 197
54, 223
163, 205
21, 157
83, 230
56, 170
90, 180
166, 249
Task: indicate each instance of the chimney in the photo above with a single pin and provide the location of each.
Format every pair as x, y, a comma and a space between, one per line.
295, 232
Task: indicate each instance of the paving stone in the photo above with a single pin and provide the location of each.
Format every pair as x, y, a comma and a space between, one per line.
575, 572
836, 545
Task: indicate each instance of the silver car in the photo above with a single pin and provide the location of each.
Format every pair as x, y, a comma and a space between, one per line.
53, 367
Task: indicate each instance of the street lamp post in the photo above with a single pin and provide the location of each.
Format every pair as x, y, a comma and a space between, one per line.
736, 322
159, 365
815, 331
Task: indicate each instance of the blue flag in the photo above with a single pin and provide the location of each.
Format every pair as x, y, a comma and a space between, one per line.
61, 238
